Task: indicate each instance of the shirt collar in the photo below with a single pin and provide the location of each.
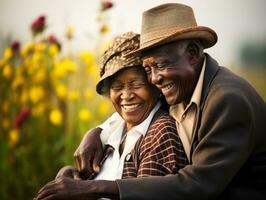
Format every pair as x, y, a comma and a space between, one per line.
196, 95
140, 129
198, 89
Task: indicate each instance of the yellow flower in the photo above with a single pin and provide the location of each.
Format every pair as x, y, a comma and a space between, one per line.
19, 71
8, 53
13, 137
53, 50
69, 32
7, 71
93, 71
26, 49
36, 93
73, 95
70, 65
40, 76
56, 117
30, 67
104, 29
63, 67
27, 62
104, 108
61, 90
87, 57
18, 80
84, 114
24, 97
58, 71
89, 94
37, 58
5, 123
38, 109
40, 47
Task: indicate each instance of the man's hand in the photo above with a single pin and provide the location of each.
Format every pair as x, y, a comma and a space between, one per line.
69, 189
66, 189
68, 172
89, 153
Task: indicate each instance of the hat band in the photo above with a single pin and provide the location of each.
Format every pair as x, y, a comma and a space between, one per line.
159, 34
207, 35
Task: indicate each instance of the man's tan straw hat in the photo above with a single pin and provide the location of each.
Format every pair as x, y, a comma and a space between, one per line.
171, 22
113, 58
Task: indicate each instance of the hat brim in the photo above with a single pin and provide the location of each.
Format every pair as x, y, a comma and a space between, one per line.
100, 84
207, 36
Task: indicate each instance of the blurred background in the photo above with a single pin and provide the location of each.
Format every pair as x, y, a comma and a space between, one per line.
49, 65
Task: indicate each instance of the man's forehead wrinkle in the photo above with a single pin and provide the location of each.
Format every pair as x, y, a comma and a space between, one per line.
166, 53
149, 61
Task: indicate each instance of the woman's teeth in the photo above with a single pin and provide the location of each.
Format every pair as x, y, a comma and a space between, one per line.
130, 108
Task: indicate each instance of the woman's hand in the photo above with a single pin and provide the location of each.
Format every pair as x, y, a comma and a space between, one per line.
89, 153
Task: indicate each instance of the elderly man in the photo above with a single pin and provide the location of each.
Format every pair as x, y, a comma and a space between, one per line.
219, 117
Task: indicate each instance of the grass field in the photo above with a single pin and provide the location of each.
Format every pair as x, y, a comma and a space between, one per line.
256, 77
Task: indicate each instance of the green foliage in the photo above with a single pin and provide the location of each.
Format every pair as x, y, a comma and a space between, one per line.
47, 102
253, 55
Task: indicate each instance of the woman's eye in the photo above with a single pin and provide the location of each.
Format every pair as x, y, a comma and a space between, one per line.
116, 87
138, 84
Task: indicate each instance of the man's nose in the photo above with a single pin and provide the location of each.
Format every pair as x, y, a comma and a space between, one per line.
156, 77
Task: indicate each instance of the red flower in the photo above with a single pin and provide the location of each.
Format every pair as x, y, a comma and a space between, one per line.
15, 45
106, 5
38, 25
23, 114
53, 40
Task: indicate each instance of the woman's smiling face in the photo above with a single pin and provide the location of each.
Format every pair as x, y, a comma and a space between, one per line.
132, 96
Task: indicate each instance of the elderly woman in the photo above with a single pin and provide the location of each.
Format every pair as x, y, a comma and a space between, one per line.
142, 141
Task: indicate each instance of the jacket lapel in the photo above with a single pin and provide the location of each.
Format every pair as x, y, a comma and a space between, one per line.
210, 72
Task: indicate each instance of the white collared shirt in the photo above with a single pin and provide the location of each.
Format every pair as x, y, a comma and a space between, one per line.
112, 168
185, 117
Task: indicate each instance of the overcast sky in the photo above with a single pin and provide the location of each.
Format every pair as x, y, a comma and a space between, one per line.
235, 21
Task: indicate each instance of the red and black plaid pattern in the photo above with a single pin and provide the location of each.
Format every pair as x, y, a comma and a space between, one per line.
159, 153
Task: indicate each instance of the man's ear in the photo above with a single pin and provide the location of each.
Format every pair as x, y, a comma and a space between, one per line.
194, 52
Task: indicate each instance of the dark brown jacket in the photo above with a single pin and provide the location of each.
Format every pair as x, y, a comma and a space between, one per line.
228, 155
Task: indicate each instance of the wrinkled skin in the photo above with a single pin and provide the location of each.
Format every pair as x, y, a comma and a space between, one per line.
65, 188
174, 69
69, 172
89, 153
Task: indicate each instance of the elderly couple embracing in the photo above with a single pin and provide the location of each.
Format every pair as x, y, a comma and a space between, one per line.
184, 127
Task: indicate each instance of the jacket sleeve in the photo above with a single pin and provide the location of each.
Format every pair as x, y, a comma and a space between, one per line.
225, 142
